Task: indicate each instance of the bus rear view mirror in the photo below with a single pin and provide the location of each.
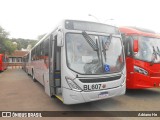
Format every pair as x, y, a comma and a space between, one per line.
60, 39
135, 46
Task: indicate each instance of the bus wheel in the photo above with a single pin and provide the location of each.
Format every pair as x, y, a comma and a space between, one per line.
33, 77
27, 72
53, 96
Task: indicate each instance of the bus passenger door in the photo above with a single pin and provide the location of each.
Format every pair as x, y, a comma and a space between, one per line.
54, 68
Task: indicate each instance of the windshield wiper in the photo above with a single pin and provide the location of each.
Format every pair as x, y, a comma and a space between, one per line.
158, 51
106, 46
90, 41
154, 56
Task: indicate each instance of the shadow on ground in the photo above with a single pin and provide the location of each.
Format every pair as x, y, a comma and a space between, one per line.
143, 92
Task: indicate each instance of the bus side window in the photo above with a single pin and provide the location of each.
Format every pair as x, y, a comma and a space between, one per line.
33, 54
46, 52
42, 50
27, 57
38, 52
46, 48
51, 45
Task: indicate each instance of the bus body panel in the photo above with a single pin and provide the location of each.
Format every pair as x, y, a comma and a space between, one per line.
39, 69
134, 31
3, 62
129, 72
47, 86
74, 97
138, 81
41, 73
2, 65
117, 81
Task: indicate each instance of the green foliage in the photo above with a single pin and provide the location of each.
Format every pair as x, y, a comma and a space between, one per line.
3, 33
7, 46
23, 43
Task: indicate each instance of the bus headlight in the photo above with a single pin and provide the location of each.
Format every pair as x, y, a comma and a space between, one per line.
73, 85
140, 70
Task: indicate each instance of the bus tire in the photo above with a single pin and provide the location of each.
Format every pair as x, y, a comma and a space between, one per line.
33, 77
53, 96
27, 72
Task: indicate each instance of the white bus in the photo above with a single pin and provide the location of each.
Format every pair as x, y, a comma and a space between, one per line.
80, 62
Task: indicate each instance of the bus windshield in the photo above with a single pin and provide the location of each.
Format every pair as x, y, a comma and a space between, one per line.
83, 59
149, 49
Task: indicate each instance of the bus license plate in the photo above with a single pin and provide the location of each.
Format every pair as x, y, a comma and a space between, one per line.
103, 94
92, 87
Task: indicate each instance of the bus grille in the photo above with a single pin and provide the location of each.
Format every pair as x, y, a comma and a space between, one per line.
100, 79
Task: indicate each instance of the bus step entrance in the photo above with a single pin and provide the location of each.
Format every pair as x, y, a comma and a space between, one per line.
57, 79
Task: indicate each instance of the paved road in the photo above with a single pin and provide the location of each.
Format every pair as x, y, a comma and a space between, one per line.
19, 93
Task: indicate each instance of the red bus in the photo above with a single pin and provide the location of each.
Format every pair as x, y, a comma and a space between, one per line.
142, 49
3, 62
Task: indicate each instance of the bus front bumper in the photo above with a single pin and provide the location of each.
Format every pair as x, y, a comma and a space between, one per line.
74, 97
140, 81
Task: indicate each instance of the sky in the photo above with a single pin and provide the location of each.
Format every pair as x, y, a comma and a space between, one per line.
29, 18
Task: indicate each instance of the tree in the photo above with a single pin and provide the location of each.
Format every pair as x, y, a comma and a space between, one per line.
23, 43
6, 45
9, 45
3, 33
